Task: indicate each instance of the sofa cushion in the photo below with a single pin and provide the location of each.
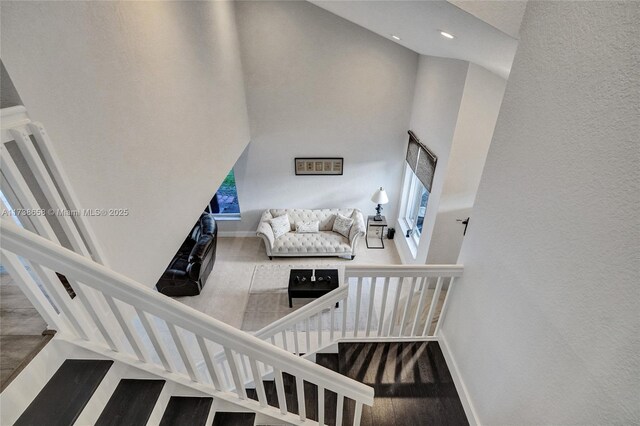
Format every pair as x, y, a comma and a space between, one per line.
280, 225
342, 225
308, 227
321, 242
324, 216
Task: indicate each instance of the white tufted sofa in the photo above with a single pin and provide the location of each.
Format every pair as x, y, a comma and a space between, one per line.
324, 243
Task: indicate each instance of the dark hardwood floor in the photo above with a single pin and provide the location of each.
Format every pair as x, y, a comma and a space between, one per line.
412, 385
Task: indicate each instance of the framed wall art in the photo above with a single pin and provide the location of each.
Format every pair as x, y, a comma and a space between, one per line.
318, 166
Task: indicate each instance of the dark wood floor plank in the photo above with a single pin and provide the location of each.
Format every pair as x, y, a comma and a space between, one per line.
233, 419
131, 403
186, 411
66, 394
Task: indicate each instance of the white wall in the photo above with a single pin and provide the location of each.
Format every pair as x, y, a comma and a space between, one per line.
8, 94
438, 93
479, 107
544, 324
319, 85
145, 104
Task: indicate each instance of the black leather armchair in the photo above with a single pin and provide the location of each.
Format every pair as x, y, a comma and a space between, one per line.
191, 266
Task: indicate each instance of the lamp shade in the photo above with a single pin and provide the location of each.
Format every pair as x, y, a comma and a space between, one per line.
380, 197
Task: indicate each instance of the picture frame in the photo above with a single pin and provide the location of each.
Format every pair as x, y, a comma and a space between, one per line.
318, 166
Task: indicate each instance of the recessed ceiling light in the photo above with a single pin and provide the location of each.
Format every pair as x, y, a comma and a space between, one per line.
446, 35
395, 37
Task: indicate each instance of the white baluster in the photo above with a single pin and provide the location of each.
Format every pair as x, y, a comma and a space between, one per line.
235, 373
394, 309
332, 314
100, 321
423, 295
308, 335
358, 414
156, 341
444, 306
432, 308
183, 351
321, 405
407, 305
296, 344
257, 379
319, 321
339, 409
372, 291
385, 291
302, 408
358, 299
343, 332
129, 332
282, 399
208, 360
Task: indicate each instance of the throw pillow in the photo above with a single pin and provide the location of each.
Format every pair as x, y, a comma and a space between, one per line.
342, 225
280, 225
308, 227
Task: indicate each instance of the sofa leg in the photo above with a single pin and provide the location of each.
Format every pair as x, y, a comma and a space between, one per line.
270, 257
353, 257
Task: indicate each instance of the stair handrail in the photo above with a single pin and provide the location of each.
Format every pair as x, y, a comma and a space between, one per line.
17, 241
304, 312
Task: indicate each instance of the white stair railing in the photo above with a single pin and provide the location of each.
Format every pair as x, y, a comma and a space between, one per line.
377, 303
136, 315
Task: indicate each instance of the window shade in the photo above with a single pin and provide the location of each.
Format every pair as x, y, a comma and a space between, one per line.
421, 160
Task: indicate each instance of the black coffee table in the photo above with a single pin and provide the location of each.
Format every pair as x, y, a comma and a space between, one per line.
301, 286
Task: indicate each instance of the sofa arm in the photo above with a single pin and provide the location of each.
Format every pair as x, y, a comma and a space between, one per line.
265, 231
358, 229
174, 274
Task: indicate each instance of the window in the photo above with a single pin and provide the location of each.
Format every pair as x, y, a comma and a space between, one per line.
416, 206
225, 203
421, 167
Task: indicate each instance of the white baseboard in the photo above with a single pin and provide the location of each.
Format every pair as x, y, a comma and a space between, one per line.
236, 234
457, 380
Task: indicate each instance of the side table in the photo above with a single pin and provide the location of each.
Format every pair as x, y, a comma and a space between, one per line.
376, 227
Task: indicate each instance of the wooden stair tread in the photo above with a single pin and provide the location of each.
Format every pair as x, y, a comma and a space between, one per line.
226, 418
186, 411
131, 403
65, 395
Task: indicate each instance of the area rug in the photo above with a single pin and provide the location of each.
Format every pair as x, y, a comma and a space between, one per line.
275, 278
268, 299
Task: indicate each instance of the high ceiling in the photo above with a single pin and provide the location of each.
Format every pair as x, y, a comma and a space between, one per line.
418, 25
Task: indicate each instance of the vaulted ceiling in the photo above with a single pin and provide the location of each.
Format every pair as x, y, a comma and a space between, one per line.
485, 32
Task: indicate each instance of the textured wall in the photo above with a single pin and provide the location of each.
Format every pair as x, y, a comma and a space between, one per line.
318, 85
436, 103
544, 324
477, 117
145, 104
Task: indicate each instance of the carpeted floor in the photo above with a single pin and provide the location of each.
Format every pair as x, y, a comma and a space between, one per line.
226, 293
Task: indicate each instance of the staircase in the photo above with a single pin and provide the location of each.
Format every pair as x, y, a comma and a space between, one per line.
66, 396
125, 354
411, 381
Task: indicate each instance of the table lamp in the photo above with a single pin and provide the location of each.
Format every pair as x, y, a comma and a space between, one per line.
379, 197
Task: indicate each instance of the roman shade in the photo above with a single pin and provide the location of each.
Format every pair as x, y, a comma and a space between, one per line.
421, 160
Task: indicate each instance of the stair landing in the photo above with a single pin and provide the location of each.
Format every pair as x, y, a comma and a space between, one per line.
413, 385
